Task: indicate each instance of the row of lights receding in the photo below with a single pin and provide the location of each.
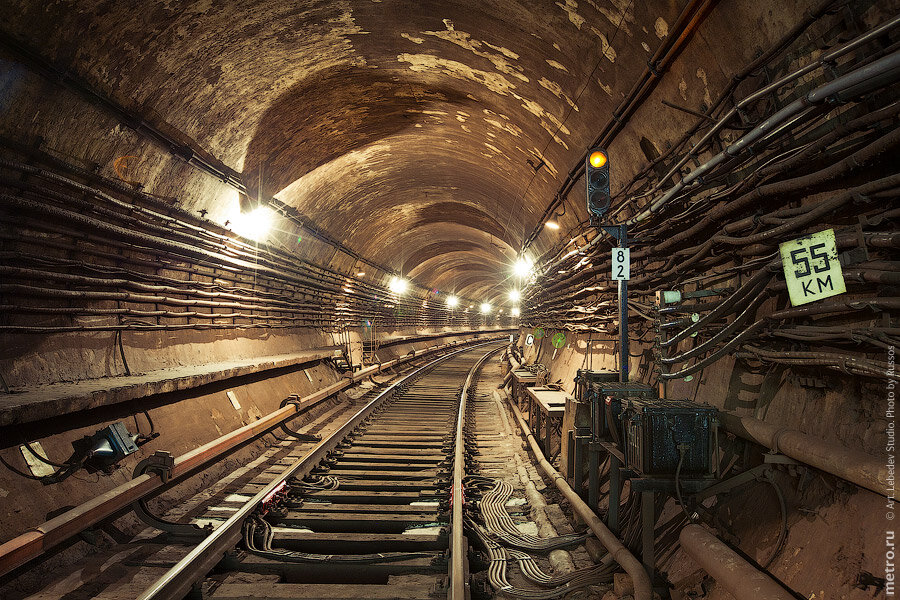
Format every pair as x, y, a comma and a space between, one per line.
256, 224
522, 268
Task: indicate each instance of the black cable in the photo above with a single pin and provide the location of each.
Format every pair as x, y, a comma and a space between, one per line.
122, 351
783, 534
141, 437
59, 475
681, 451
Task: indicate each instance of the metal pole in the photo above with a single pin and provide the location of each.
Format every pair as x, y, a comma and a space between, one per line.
615, 492
594, 478
648, 523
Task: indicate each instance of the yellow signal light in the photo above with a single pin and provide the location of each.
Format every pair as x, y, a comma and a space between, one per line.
598, 159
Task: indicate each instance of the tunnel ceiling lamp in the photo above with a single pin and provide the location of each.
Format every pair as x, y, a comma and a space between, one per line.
522, 268
254, 224
361, 273
551, 225
515, 311
485, 308
452, 301
398, 285
515, 295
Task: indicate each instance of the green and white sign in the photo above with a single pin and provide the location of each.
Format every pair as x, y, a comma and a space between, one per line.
558, 340
811, 268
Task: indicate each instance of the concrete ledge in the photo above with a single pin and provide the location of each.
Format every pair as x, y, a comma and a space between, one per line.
25, 405
392, 341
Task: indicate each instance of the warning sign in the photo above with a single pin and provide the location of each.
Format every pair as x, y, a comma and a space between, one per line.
811, 268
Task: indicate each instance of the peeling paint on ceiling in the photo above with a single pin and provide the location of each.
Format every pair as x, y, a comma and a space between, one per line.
361, 114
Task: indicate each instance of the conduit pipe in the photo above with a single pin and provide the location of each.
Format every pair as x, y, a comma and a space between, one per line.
855, 466
826, 58
31, 544
876, 74
619, 553
726, 566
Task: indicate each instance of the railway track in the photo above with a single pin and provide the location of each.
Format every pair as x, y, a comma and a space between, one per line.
367, 512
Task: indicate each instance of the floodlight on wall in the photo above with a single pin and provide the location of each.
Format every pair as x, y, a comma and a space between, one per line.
254, 224
522, 267
515, 295
452, 301
398, 285
551, 225
515, 311
485, 308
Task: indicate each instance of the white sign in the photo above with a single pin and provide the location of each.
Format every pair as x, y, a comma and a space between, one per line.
811, 268
529, 340
621, 264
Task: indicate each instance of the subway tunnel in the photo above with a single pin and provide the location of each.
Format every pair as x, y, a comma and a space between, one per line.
395, 299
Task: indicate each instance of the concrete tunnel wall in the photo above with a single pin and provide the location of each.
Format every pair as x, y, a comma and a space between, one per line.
426, 138
834, 527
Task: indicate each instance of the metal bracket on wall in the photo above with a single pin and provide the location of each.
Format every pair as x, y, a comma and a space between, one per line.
162, 462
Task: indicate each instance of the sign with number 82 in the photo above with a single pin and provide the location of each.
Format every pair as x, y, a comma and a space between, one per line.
621, 264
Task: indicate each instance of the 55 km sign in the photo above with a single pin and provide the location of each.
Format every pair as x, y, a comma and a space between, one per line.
811, 268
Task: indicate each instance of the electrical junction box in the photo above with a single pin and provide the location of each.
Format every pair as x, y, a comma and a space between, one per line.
111, 444
608, 400
584, 417
654, 430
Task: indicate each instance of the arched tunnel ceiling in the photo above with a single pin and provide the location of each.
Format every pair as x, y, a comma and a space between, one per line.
409, 130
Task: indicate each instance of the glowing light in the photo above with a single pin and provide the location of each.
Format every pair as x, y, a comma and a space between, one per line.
598, 159
254, 225
515, 311
361, 273
397, 285
515, 295
551, 225
452, 301
485, 308
522, 268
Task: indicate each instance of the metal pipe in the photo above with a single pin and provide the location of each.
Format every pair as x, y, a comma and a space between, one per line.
619, 553
888, 65
825, 58
855, 466
728, 568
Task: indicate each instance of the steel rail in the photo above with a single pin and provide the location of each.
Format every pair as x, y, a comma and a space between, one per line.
459, 582
178, 580
29, 545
